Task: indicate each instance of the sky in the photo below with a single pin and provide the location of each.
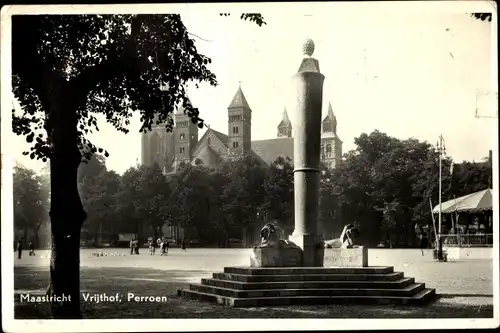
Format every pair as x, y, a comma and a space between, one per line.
406, 72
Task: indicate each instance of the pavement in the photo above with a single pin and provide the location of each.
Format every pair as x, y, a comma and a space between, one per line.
466, 279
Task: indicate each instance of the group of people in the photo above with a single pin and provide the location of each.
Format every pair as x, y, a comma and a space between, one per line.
162, 243
19, 249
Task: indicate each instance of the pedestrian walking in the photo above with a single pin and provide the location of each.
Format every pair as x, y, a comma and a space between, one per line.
183, 246
132, 246
19, 249
166, 246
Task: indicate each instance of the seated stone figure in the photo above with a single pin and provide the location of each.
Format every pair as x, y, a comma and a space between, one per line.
269, 237
347, 238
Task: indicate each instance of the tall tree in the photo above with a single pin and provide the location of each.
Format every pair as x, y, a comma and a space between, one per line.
129, 201
66, 69
278, 188
192, 198
99, 195
386, 185
470, 177
155, 192
244, 194
330, 212
30, 202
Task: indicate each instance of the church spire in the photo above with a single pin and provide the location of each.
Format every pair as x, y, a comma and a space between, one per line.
330, 112
330, 121
285, 126
330, 116
286, 120
239, 100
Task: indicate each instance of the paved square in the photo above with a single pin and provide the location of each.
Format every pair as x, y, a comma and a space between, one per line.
465, 287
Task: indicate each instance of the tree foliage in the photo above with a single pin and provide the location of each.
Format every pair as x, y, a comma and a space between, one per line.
113, 65
279, 195
67, 70
383, 186
387, 184
98, 189
31, 201
482, 16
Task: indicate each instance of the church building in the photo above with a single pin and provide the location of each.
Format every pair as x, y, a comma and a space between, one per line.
182, 145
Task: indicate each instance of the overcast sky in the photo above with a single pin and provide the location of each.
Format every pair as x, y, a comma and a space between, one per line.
405, 71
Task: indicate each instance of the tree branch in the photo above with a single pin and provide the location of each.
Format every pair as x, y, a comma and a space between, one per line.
113, 64
26, 62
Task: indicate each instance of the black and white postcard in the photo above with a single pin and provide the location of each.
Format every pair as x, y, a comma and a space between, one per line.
331, 162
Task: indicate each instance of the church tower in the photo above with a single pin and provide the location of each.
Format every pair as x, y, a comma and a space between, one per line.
157, 146
285, 127
239, 125
185, 136
331, 145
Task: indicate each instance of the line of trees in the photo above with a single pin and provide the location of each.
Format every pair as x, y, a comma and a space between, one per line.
383, 186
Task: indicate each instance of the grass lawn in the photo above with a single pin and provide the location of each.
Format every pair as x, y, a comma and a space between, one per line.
155, 282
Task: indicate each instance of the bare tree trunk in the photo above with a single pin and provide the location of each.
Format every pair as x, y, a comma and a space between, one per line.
66, 214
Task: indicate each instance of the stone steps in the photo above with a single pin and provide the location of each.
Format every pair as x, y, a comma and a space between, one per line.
245, 287
235, 293
421, 298
309, 270
309, 277
401, 283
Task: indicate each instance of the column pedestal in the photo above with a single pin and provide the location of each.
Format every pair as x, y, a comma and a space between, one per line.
313, 250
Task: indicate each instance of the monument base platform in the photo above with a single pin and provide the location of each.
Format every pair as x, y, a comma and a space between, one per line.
350, 257
276, 257
248, 286
313, 249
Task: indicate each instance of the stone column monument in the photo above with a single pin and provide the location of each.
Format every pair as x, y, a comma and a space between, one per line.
307, 141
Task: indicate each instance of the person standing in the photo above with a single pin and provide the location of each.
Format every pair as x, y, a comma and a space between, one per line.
151, 247
32, 249
19, 249
166, 246
424, 241
183, 245
131, 246
162, 247
136, 246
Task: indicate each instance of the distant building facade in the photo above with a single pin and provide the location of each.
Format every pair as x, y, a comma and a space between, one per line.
182, 145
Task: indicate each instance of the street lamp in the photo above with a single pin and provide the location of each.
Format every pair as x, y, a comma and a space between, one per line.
441, 149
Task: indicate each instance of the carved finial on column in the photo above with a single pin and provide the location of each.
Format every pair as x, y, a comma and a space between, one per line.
308, 47
309, 64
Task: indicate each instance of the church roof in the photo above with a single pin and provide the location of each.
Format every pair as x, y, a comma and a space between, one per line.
208, 156
269, 150
239, 100
221, 136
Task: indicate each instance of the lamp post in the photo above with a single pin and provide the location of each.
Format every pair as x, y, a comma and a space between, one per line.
441, 149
